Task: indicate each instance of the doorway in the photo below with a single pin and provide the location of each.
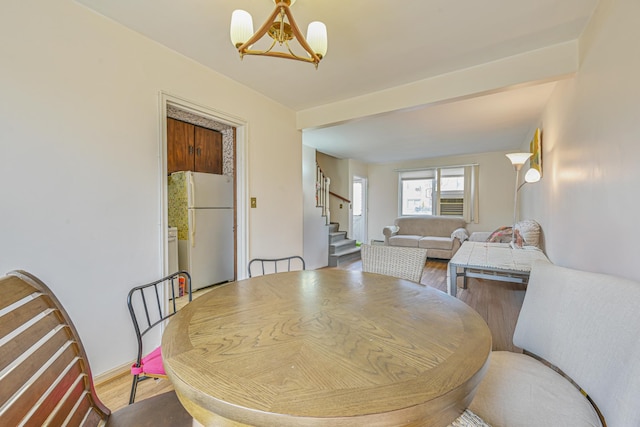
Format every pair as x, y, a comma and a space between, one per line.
233, 128
359, 210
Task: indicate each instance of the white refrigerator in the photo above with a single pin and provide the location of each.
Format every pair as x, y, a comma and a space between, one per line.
201, 207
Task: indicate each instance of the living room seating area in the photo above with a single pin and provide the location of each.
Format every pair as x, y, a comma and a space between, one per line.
440, 235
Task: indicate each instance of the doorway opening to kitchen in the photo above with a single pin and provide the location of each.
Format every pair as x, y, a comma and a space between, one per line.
232, 169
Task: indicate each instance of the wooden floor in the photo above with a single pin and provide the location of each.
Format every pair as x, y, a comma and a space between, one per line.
497, 302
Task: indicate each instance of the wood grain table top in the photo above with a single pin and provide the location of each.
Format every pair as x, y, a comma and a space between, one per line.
326, 348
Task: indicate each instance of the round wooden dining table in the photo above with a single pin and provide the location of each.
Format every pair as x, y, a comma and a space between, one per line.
326, 347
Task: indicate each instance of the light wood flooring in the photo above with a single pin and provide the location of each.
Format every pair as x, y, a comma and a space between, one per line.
498, 303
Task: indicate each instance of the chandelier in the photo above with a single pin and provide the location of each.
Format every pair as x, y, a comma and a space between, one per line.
282, 28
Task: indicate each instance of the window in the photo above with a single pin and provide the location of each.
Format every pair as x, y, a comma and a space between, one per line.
440, 191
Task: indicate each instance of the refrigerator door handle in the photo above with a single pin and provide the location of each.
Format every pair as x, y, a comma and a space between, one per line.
192, 227
191, 192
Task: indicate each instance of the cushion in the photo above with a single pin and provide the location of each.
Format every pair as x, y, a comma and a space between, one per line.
409, 241
460, 234
468, 419
430, 242
429, 225
530, 232
480, 236
517, 239
520, 391
146, 413
151, 364
501, 235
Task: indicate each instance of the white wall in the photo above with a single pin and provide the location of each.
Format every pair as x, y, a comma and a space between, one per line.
79, 143
316, 231
358, 169
588, 201
496, 181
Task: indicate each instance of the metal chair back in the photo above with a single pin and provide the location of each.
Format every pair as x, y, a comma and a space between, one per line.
149, 306
264, 266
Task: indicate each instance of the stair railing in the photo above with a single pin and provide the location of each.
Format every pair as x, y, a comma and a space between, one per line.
344, 199
322, 193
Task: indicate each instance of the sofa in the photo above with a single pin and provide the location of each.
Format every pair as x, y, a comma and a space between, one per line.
579, 334
440, 235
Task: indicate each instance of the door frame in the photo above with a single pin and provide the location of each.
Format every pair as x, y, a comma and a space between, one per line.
241, 175
365, 210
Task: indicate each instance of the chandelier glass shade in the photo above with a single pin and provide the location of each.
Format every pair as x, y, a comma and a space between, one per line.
282, 29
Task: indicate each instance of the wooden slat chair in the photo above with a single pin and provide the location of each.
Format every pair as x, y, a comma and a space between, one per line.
400, 262
45, 378
262, 266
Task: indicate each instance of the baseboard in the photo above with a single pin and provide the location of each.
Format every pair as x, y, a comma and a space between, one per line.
113, 373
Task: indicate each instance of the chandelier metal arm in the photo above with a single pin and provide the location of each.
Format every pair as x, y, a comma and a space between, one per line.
268, 52
261, 31
296, 31
283, 55
280, 7
258, 52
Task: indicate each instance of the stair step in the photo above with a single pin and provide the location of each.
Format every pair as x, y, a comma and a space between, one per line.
348, 251
343, 242
341, 245
336, 236
347, 255
333, 227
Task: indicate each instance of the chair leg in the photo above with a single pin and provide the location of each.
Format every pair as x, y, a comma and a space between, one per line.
134, 387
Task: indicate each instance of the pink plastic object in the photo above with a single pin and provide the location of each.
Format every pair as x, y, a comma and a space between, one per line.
151, 364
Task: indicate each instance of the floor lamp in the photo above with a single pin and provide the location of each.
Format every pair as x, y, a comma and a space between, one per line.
532, 175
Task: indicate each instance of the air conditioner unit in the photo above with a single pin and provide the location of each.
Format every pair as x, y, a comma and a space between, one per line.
452, 206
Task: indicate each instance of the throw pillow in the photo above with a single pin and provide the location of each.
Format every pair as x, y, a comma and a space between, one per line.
501, 235
530, 232
518, 241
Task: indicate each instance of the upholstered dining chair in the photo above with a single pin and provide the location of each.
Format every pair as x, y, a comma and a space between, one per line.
45, 378
149, 308
400, 262
580, 364
262, 266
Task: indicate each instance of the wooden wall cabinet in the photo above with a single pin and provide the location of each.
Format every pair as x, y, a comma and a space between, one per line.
193, 148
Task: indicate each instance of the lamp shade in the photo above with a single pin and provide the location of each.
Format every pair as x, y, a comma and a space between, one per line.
317, 37
241, 27
518, 159
532, 175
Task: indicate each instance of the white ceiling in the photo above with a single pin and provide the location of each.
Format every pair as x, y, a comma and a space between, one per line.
377, 45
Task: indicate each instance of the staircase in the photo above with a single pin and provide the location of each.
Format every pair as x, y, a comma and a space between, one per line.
341, 249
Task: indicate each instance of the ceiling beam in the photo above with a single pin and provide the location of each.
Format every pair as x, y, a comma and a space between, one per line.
542, 65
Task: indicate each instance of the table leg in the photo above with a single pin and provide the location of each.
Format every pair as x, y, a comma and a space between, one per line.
453, 279
464, 278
